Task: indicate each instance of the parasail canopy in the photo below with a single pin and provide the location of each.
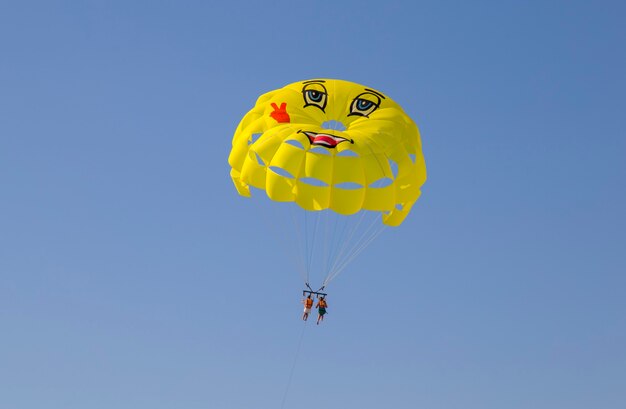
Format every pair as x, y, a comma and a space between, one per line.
330, 144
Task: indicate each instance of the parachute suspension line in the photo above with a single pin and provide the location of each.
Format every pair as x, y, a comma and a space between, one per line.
356, 252
310, 244
323, 242
345, 245
348, 237
368, 236
293, 367
339, 240
348, 232
314, 241
306, 246
331, 242
371, 233
325, 239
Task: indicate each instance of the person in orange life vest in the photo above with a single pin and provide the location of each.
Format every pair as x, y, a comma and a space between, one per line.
308, 303
321, 309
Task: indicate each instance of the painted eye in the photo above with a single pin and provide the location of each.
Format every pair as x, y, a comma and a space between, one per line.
364, 104
315, 95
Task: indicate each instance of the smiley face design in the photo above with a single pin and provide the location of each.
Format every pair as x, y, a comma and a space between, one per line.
330, 144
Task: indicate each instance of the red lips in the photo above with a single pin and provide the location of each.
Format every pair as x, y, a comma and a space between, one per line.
324, 139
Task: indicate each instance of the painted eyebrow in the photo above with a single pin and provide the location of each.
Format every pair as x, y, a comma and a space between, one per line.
310, 81
375, 92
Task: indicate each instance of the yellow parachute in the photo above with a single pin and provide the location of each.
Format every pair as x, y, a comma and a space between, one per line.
333, 145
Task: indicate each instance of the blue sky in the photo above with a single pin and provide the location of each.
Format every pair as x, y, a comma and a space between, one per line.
133, 276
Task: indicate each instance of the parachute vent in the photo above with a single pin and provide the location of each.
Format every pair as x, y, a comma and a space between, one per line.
294, 142
314, 182
334, 125
394, 168
380, 183
281, 172
348, 152
254, 137
258, 159
319, 149
349, 186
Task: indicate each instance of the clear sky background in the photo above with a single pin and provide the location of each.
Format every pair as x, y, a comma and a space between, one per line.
133, 276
